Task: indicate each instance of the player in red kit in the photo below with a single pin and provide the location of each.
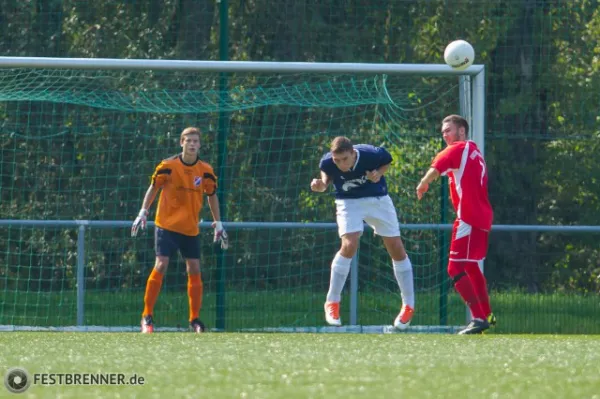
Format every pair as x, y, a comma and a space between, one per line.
465, 167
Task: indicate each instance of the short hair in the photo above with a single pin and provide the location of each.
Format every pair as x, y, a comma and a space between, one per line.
189, 131
458, 121
341, 144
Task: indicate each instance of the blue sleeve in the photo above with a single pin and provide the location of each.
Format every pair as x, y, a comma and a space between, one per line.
384, 157
325, 164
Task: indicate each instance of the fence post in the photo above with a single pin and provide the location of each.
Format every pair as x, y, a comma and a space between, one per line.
223, 132
354, 290
80, 274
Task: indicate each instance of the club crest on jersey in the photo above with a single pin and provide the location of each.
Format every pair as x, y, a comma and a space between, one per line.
350, 184
197, 181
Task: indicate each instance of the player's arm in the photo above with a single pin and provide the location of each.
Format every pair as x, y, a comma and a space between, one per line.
445, 161
141, 219
429, 177
215, 210
320, 185
220, 235
385, 160
210, 189
375, 175
161, 176
149, 197
383, 169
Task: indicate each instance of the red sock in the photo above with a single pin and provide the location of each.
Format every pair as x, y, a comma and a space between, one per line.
465, 288
479, 286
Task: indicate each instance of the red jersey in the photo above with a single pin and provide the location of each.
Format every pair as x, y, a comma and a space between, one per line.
467, 173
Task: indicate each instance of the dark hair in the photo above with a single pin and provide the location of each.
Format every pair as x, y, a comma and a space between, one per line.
341, 144
459, 121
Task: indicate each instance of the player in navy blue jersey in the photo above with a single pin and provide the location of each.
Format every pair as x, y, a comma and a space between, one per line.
357, 173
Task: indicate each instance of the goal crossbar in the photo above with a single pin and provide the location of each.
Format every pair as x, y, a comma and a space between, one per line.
233, 66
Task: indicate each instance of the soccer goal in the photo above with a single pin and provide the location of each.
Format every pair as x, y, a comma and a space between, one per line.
80, 139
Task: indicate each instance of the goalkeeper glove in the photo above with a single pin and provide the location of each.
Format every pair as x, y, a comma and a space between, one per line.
221, 236
140, 220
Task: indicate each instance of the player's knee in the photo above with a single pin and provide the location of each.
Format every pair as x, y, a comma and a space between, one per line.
193, 266
349, 245
348, 251
455, 269
161, 264
456, 278
395, 248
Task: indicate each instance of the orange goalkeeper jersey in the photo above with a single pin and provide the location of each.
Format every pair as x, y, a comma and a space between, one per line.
183, 188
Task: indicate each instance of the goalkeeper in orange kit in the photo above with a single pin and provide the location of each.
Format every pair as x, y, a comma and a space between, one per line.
184, 180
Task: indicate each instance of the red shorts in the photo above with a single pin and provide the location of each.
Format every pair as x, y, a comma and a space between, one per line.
468, 243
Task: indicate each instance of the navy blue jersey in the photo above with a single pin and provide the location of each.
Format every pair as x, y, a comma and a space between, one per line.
354, 183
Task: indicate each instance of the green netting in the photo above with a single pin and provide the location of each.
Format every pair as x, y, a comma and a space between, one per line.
122, 91
81, 145
541, 128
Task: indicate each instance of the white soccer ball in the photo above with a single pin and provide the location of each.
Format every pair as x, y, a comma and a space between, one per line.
459, 55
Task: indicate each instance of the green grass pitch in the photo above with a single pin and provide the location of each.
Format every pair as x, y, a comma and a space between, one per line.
256, 365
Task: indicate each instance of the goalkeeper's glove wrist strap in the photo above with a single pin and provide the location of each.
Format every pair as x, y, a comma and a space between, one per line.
143, 212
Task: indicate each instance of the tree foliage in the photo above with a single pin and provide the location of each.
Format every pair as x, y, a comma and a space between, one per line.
542, 68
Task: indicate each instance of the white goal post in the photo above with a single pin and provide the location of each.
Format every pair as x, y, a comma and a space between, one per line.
471, 83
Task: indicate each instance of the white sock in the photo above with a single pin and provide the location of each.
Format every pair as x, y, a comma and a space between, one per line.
340, 267
404, 276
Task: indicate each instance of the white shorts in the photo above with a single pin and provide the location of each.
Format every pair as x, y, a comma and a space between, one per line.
377, 212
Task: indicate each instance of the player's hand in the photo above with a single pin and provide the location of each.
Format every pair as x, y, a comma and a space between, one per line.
140, 221
374, 175
318, 185
422, 189
221, 236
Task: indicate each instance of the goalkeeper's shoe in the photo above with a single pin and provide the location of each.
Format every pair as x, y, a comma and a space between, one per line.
404, 317
197, 326
332, 314
147, 324
476, 326
491, 319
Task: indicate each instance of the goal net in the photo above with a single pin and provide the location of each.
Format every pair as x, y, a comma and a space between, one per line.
81, 144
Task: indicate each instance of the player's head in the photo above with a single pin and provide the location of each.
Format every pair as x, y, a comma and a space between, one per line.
190, 141
455, 128
342, 153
